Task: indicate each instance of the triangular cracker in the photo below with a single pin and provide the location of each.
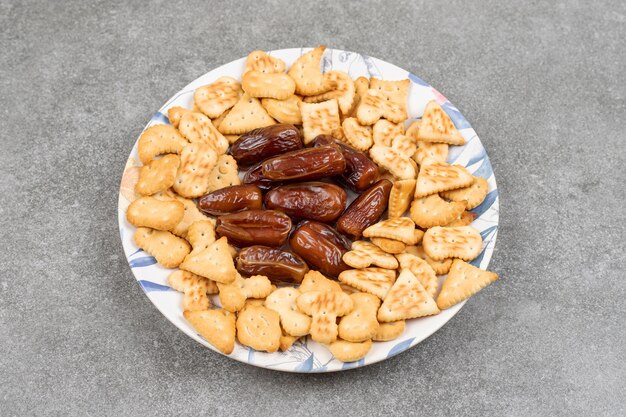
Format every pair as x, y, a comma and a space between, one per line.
436, 151
437, 126
433, 210
407, 299
214, 262
464, 280
217, 97
319, 119
246, 115
376, 281
421, 270
435, 177
400, 228
472, 195
284, 111
307, 74
216, 326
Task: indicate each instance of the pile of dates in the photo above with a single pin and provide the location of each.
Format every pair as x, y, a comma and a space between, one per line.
290, 212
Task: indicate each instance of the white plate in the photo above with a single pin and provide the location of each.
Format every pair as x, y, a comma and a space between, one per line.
306, 355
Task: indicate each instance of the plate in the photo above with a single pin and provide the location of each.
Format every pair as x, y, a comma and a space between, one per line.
306, 355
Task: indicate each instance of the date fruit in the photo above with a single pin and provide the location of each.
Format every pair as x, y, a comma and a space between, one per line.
254, 227
308, 200
320, 246
231, 199
262, 143
255, 176
361, 172
365, 210
306, 164
276, 264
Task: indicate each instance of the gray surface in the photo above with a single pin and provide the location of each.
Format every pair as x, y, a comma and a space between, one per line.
544, 86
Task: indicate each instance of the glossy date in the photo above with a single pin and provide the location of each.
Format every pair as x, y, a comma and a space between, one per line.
320, 246
254, 227
255, 176
231, 199
305, 164
276, 264
365, 210
262, 143
318, 201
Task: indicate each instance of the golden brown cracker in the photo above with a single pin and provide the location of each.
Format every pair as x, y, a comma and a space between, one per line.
422, 271
159, 140
196, 162
201, 235
307, 74
397, 158
247, 115
262, 62
361, 323
319, 119
400, 197
345, 351
440, 267
462, 242
315, 281
472, 195
158, 175
388, 245
183, 281
167, 249
465, 219
284, 111
224, 174
343, 90
214, 262
191, 215
259, 328
324, 307
436, 151
375, 281
195, 299
361, 85
216, 326
174, 114
364, 254
155, 214
376, 104
217, 97
198, 128
286, 342
359, 137
219, 119
433, 211
389, 331
463, 281
268, 85
283, 301
436, 126
400, 228
233, 295
407, 299
435, 177
396, 93
384, 132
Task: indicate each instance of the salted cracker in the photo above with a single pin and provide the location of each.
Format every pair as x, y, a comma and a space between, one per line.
246, 115
214, 262
375, 281
440, 267
361, 323
157, 175
233, 295
389, 331
407, 299
343, 90
315, 281
472, 195
433, 211
400, 228
397, 158
422, 271
159, 140
307, 74
463, 281
201, 235
388, 245
436, 151
216, 326
196, 162
319, 119
400, 197
364, 254
167, 249
259, 328
384, 132
359, 137
345, 351
465, 219
155, 214
198, 128
462, 242
217, 97
436, 126
324, 307
191, 215
268, 85
174, 114
224, 174
262, 62
435, 177
284, 111
283, 301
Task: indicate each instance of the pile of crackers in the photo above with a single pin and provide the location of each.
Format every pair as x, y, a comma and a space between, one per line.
396, 263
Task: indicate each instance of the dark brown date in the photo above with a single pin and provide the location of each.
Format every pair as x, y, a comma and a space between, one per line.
320, 246
308, 200
365, 210
361, 172
306, 164
254, 227
231, 199
262, 143
276, 264
255, 176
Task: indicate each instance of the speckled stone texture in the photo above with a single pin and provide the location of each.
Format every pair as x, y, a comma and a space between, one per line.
543, 84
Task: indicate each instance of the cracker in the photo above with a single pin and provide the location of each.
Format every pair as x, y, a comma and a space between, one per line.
375, 105
389, 331
167, 249
364, 254
315, 281
286, 342
219, 119
396, 93
192, 214
435, 177
361, 85
339, 134
216, 326
268, 85
155, 214
197, 128
324, 307
262, 62
388, 245
259, 328
440, 267
463, 281
375, 281
284, 111
214, 262
319, 119
433, 210
159, 140
400, 197
384, 132
201, 235
174, 114
397, 158
397, 229
233, 296
196, 162
307, 74
360, 324
462, 242
232, 138
195, 299
436, 126
217, 97
343, 90
422, 271
247, 115
465, 219
472, 195
183, 281
436, 151
407, 299
283, 301
345, 351
359, 137
158, 175
224, 174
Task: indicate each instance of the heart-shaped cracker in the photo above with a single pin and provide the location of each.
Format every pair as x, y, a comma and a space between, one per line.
401, 229
214, 262
315, 281
400, 197
389, 331
384, 132
436, 126
435, 176
262, 62
433, 211
364, 254
462, 242
247, 115
307, 74
224, 174
159, 140
319, 119
201, 235
376, 281
463, 281
422, 271
283, 301
345, 351
436, 151
324, 307
175, 114
268, 85
343, 90
214, 99
196, 162
216, 326
440, 267
167, 249
259, 328
233, 295
465, 219
154, 213
472, 195
360, 324
359, 137
388, 245
407, 299
197, 128
397, 158
158, 175
284, 111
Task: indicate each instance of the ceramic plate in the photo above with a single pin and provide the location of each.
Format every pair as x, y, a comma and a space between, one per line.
306, 355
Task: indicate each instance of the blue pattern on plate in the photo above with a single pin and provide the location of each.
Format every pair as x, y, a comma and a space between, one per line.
400, 347
142, 262
160, 118
484, 170
486, 204
418, 80
372, 69
149, 286
307, 365
356, 364
457, 118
